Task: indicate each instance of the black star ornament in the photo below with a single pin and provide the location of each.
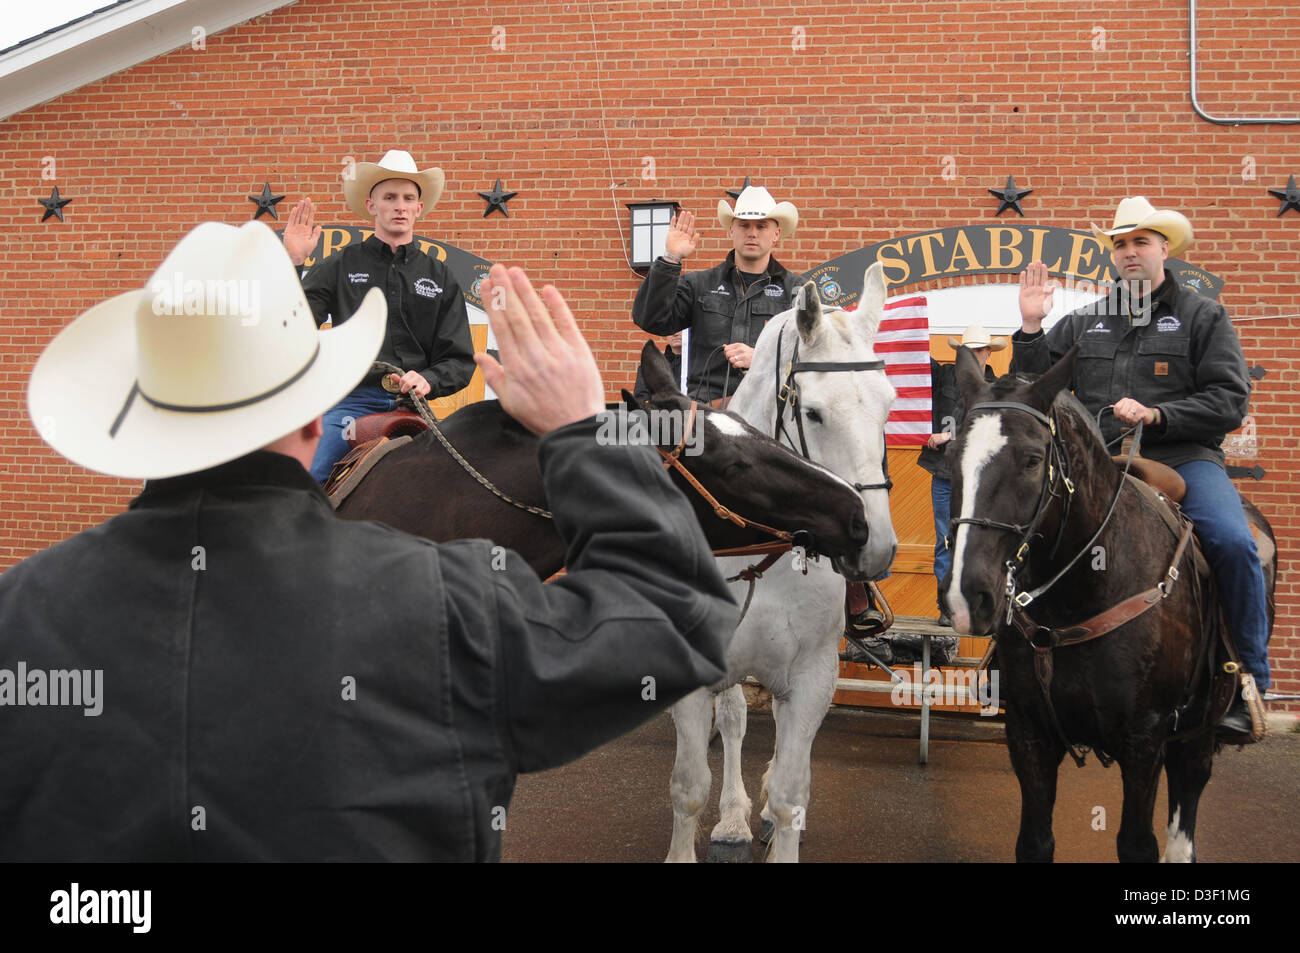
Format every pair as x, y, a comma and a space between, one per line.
1010, 196
497, 199
735, 193
1290, 198
265, 202
54, 204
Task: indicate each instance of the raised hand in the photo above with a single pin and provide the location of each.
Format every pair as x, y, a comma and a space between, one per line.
300, 233
547, 377
681, 240
1035, 296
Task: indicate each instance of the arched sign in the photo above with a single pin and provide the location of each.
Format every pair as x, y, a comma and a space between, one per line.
985, 249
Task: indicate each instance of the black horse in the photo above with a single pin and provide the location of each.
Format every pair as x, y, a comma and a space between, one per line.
1032, 486
420, 489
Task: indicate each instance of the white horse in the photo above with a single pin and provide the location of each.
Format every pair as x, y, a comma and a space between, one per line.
789, 637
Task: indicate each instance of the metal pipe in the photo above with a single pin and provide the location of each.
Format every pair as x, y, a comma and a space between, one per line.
1196, 105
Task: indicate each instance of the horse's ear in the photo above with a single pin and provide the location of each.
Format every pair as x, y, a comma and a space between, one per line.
970, 382
1044, 390
630, 401
808, 310
655, 372
871, 306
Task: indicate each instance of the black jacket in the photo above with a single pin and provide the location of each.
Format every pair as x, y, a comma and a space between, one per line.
711, 304
1180, 354
428, 330
947, 413
282, 684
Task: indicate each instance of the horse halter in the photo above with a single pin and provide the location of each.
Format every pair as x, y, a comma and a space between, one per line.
1058, 462
787, 392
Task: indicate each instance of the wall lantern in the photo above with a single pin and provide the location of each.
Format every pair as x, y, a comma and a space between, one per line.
649, 231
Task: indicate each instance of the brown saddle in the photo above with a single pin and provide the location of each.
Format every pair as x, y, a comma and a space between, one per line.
348, 473
1155, 475
391, 424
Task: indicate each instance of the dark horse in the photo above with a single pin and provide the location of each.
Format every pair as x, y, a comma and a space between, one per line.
420, 489
1140, 694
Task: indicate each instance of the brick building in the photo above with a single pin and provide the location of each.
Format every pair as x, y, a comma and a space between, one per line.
876, 120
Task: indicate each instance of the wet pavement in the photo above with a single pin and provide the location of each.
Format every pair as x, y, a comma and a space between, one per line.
872, 801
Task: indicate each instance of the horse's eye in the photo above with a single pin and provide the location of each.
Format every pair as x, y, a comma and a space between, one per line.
813, 416
1033, 463
734, 469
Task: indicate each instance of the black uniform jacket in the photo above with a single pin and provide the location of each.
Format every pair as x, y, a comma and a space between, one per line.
282, 684
718, 313
428, 330
1179, 354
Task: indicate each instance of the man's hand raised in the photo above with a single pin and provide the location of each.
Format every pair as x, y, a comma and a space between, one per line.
1035, 297
681, 239
547, 377
300, 233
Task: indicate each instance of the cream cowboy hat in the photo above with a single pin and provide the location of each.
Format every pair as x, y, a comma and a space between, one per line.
757, 203
1136, 212
217, 356
976, 337
395, 164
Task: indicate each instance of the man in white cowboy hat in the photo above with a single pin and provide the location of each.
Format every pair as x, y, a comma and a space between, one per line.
428, 331
727, 306
947, 411
227, 671
1162, 354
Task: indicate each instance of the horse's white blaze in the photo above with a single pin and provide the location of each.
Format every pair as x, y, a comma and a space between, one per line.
983, 442
728, 425
1178, 846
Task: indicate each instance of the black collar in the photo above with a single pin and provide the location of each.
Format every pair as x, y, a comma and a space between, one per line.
774, 268
380, 248
259, 468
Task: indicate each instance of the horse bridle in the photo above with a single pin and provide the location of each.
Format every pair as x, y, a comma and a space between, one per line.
1057, 463
787, 394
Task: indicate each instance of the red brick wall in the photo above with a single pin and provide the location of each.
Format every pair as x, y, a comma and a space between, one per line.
846, 109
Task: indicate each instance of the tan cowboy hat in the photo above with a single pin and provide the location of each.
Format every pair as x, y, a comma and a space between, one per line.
217, 356
976, 337
1136, 212
395, 164
757, 203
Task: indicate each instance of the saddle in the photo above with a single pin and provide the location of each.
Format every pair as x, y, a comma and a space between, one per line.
390, 424
1155, 475
348, 473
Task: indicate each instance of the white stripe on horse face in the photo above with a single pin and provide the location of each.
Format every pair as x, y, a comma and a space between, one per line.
983, 442
728, 425
1178, 846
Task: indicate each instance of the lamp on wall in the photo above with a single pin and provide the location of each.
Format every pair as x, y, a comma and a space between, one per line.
649, 231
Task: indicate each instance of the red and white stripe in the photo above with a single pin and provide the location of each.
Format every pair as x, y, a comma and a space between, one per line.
903, 342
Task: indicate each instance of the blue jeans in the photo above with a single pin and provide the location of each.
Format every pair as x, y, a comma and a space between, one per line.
941, 501
1213, 505
333, 443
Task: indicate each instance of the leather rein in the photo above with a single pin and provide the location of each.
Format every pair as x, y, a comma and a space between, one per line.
1042, 638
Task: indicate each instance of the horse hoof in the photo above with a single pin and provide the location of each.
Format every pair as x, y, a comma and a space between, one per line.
730, 852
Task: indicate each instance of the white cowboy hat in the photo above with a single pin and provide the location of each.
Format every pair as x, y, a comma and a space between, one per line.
395, 164
976, 337
757, 203
1136, 212
217, 356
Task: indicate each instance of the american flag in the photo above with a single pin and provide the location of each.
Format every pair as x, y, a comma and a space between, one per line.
903, 341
